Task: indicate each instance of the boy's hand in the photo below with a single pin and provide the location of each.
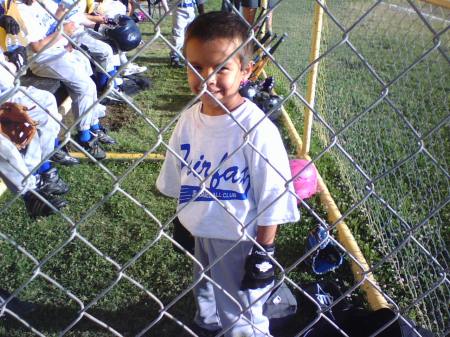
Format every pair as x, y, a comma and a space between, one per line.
259, 269
69, 28
60, 11
9, 24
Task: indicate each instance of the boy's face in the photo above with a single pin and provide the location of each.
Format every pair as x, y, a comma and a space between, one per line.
205, 57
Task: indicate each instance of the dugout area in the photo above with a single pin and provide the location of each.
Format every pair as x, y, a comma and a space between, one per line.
378, 135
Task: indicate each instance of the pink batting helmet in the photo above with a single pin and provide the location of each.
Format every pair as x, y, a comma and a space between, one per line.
305, 183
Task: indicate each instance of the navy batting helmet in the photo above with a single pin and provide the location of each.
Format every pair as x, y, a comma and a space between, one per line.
126, 35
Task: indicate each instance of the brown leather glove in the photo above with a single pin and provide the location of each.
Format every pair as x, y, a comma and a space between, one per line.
16, 124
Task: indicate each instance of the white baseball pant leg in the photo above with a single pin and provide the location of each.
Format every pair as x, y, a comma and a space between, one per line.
180, 20
99, 50
228, 272
73, 69
45, 112
14, 166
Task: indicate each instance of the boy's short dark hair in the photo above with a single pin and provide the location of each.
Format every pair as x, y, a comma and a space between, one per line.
221, 25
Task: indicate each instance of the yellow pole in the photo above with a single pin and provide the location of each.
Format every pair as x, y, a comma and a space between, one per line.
264, 9
441, 3
123, 156
109, 155
345, 236
312, 78
290, 127
375, 299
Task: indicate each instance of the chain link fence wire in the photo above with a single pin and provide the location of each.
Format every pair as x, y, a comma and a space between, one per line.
384, 90
104, 266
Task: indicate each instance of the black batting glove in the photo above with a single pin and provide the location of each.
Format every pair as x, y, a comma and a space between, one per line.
9, 24
259, 268
18, 56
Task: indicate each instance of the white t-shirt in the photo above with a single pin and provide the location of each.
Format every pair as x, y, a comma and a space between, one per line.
244, 183
40, 23
77, 14
6, 78
111, 8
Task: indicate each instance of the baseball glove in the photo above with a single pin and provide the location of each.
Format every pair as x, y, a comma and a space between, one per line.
16, 124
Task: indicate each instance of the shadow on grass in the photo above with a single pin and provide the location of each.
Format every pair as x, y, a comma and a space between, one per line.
172, 103
128, 320
132, 319
154, 60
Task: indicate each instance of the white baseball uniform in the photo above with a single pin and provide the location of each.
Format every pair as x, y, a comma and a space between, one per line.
99, 50
183, 16
72, 68
252, 193
14, 165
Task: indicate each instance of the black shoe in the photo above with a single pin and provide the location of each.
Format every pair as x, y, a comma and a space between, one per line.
19, 307
62, 157
202, 332
36, 207
103, 137
94, 149
50, 183
176, 62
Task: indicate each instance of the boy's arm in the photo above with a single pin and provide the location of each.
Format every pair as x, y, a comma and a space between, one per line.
259, 269
265, 235
96, 18
201, 6
68, 28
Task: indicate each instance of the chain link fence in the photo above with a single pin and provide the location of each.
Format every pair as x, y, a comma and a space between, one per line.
385, 97
105, 265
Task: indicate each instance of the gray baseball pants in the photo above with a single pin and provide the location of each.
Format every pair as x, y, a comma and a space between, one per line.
15, 165
237, 311
74, 70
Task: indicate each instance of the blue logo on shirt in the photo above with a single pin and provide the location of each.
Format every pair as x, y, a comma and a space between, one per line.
230, 174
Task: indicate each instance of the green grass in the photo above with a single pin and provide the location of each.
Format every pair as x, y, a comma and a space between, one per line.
108, 231
126, 236
380, 139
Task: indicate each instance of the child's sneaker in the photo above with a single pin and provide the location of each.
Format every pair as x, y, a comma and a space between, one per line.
36, 207
103, 137
114, 96
50, 183
133, 68
176, 62
62, 157
94, 149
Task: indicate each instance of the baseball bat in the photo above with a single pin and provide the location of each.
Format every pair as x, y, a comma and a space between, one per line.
262, 63
258, 56
262, 41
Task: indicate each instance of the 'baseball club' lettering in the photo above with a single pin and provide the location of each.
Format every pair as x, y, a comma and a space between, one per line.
231, 174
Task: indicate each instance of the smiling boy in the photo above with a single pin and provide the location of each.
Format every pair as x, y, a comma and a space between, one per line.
231, 182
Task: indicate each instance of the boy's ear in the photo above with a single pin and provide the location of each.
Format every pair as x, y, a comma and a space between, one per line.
248, 69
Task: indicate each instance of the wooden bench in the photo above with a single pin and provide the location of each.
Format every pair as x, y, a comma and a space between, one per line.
56, 87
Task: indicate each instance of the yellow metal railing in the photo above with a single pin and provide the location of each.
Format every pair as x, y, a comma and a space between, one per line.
360, 267
312, 78
441, 3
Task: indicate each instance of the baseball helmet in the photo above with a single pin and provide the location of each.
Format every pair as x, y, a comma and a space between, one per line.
126, 34
305, 178
248, 89
272, 104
